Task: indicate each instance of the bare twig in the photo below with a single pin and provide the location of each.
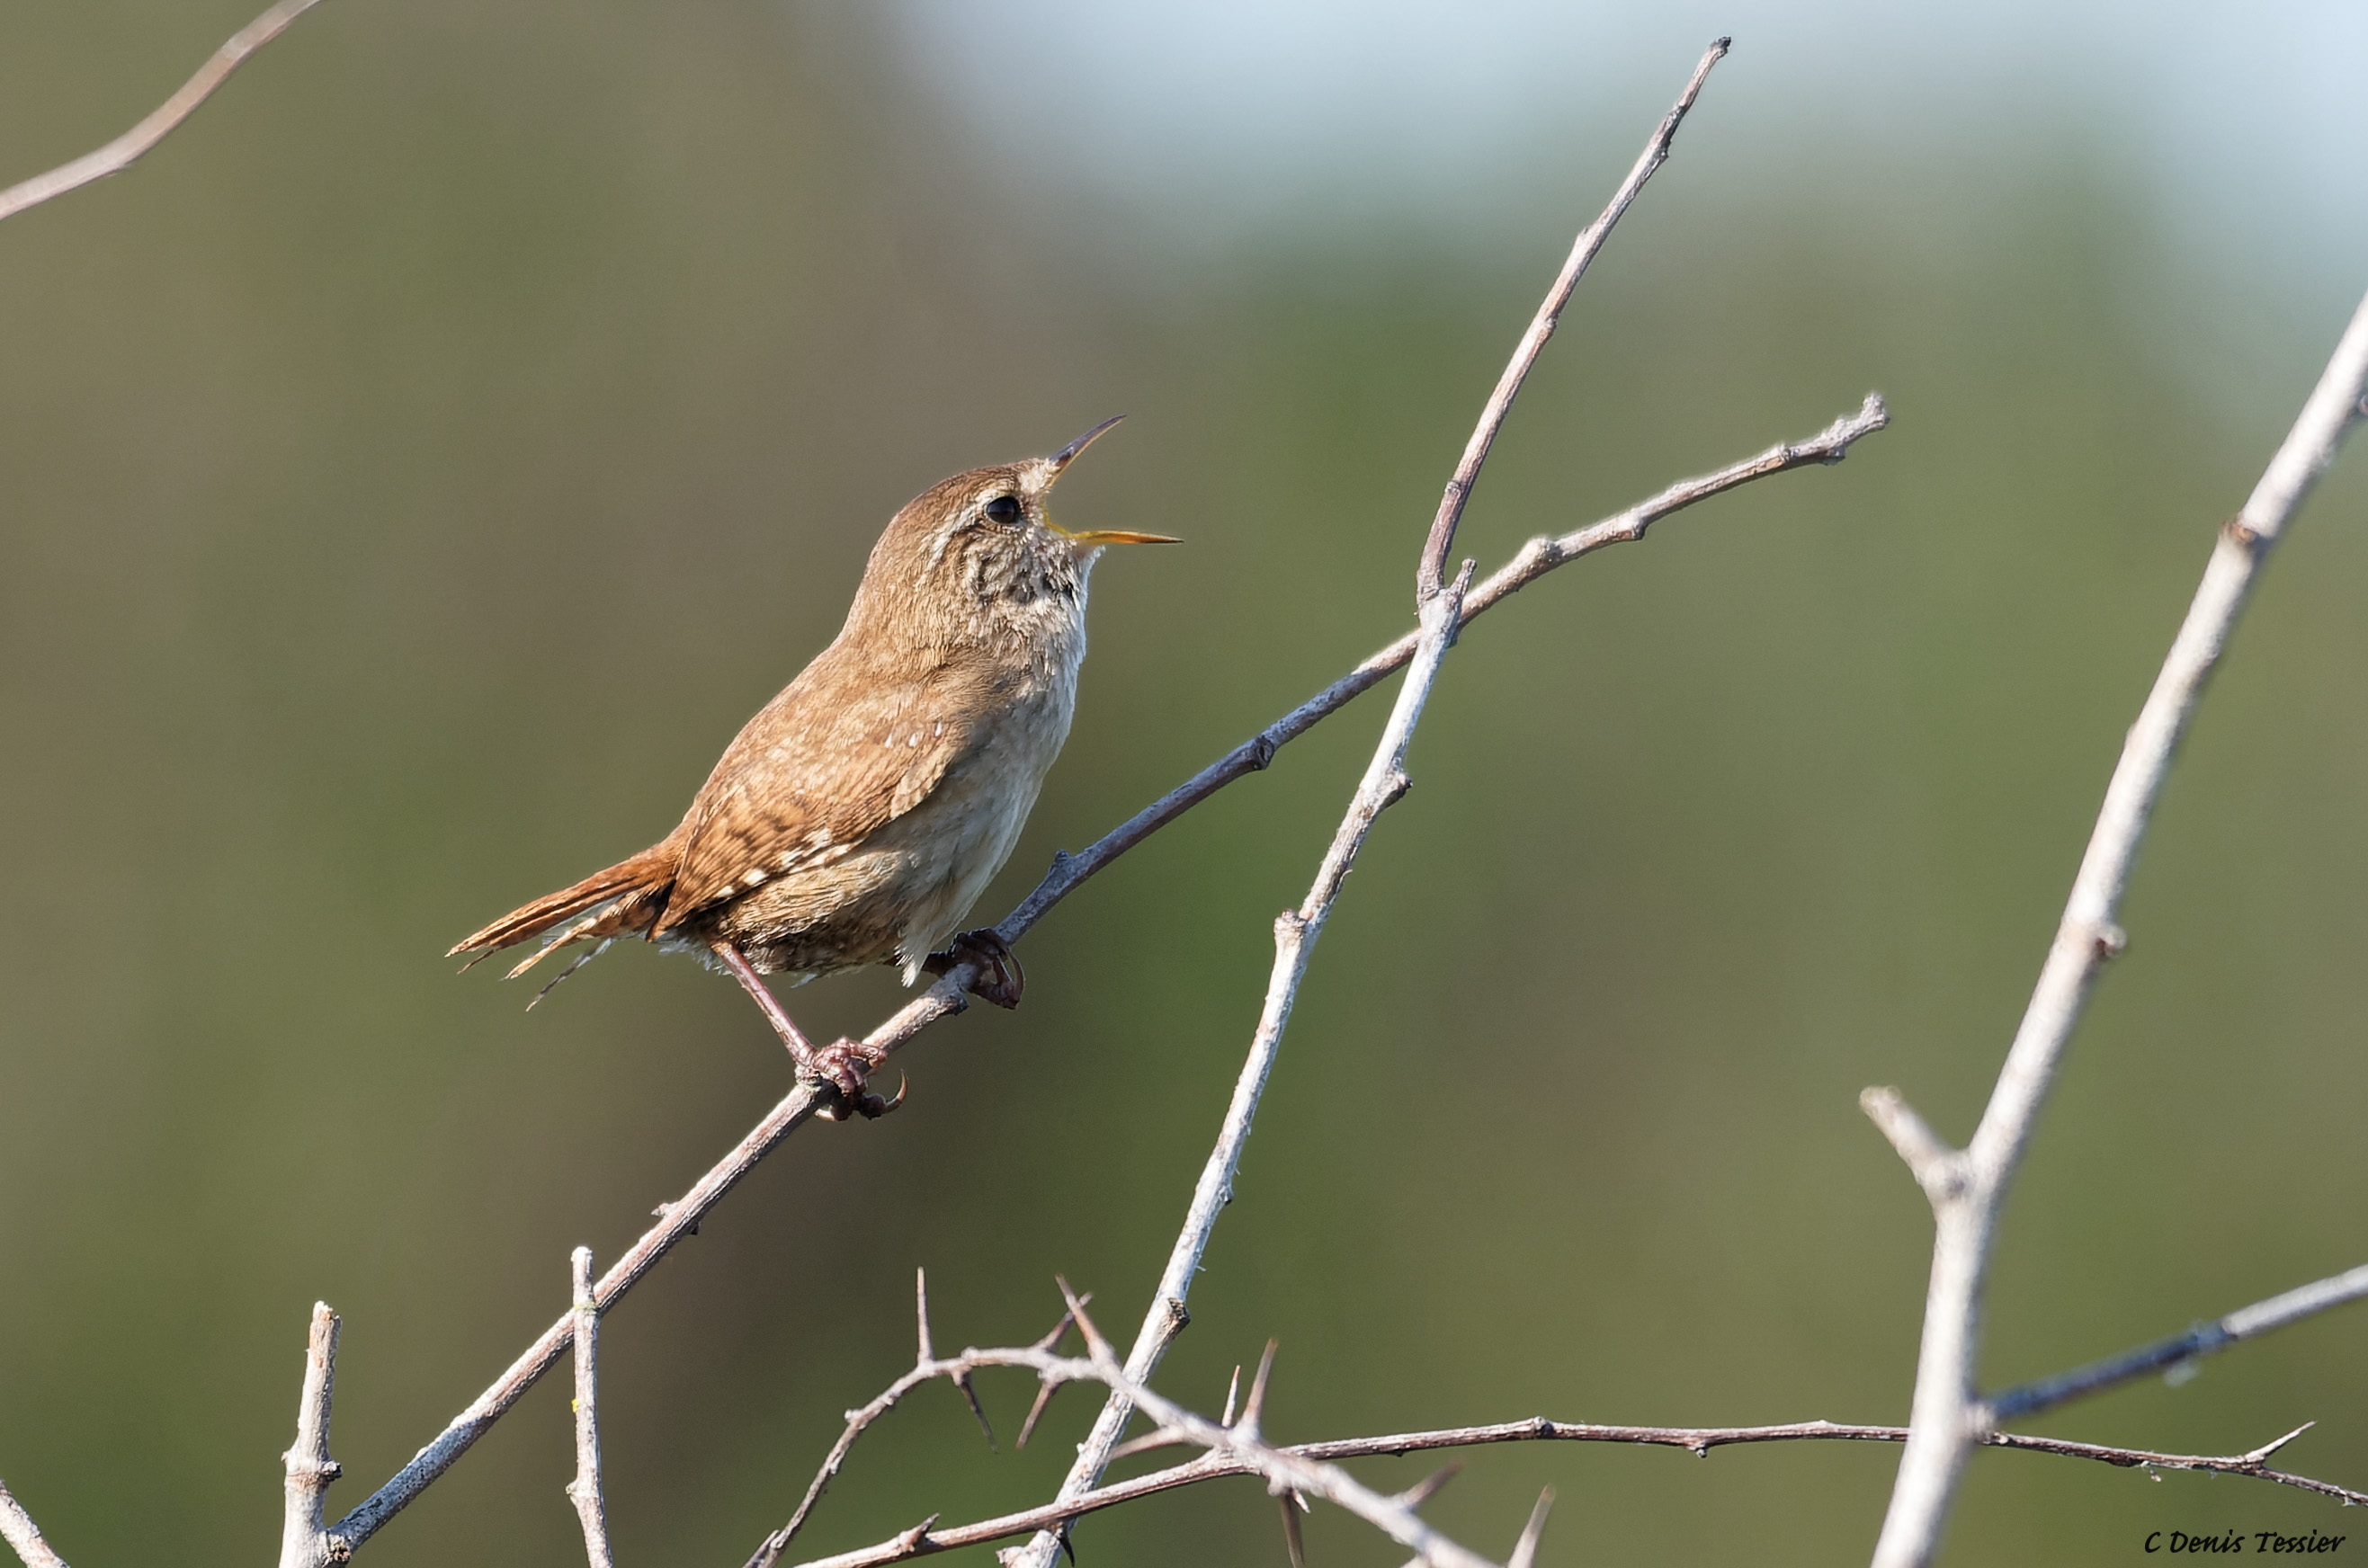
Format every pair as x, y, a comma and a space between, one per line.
1440, 608
125, 149
1534, 561
948, 995
1233, 1448
17, 1529
2245, 1322
302, 1542
1283, 1471
679, 1219
1051, 1369
1697, 1440
1431, 573
1968, 1187
591, 1509
1295, 933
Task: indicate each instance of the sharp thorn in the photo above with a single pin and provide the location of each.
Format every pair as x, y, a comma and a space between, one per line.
1525, 1551
2261, 1454
969, 1396
1254, 1407
921, 1313
1044, 1391
1291, 1537
1423, 1491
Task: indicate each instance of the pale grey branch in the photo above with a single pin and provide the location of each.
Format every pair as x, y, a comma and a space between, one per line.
302, 1542
1282, 1470
2203, 1339
17, 1529
1697, 1440
1946, 1418
1430, 572
591, 1506
125, 149
1440, 608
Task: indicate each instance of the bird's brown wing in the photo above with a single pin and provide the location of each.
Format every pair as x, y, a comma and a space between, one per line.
806, 780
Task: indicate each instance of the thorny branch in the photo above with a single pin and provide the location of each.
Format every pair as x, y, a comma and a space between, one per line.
1216, 1465
950, 994
1234, 1444
1968, 1186
925, 1367
125, 149
1440, 611
947, 996
1698, 1440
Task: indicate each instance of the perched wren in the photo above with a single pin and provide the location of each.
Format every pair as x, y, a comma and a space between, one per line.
859, 814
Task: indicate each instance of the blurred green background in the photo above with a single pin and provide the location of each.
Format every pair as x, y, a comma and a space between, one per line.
414, 471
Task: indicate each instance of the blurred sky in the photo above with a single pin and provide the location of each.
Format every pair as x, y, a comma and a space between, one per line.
2248, 121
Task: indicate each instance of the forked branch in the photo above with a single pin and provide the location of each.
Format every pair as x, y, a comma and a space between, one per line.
1968, 1186
947, 996
1440, 608
303, 1542
1221, 1461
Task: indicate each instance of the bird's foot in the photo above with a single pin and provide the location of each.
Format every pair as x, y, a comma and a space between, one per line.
845, 1067
1000, 978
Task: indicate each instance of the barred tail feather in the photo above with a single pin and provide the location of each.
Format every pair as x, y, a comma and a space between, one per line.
626, 898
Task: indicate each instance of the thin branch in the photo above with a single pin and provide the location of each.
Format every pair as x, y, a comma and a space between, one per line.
1441, 613
1233, 1448
1285, 1471
591, 1509
948, 995
2203, 1339
1697, 1440
1946, 1416
1534, 561
17, 1529
677, 1219
302, 1542
1929, 1159
1431, 570
927, 1365
125, 149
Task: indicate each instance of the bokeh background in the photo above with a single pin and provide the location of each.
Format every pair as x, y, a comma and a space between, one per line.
416, 469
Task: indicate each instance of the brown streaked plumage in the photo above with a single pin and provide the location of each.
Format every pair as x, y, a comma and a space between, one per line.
859, 814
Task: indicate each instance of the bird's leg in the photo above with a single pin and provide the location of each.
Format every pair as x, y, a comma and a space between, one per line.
1000, 978
844, 1065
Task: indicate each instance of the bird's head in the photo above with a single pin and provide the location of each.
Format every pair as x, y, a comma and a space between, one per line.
981, 544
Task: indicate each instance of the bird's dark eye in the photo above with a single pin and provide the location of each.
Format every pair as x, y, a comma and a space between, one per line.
1003, 509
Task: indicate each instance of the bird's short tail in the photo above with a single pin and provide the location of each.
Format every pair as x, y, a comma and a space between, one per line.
626, 899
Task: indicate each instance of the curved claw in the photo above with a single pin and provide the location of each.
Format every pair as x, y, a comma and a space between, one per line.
1000, 980
873, 1108
844, 1066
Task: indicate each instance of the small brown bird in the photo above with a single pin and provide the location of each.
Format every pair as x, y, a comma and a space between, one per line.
859, 814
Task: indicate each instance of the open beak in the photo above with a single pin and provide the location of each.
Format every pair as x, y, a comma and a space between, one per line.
1097, 536
1114, 535
1068, 454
